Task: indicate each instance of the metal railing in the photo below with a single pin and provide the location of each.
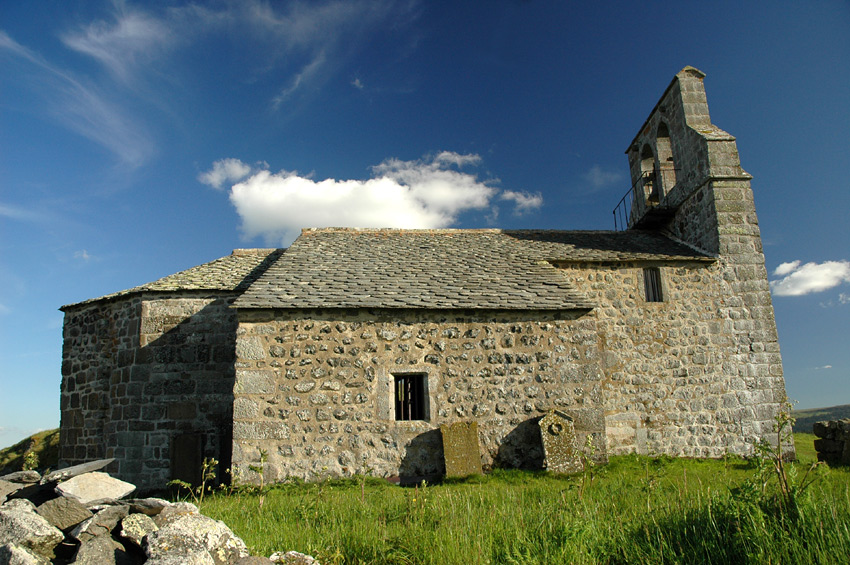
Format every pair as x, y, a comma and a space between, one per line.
646, 193
625, 213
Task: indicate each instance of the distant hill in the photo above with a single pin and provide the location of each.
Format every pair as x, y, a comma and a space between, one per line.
44, 444
806, 418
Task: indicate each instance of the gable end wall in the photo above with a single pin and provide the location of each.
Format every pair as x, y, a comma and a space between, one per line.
143, 371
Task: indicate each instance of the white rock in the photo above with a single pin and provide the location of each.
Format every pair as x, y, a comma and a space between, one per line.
94, 486
11, 554
28, 530
136, 526
192, 534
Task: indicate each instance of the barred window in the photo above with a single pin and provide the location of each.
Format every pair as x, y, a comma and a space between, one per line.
410, 397
652, 284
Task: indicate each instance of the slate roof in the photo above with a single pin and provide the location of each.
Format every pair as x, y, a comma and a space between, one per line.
444, 269
235, 272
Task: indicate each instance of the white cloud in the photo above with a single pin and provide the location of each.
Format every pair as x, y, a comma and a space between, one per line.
824, 367
225, 171
425, 193
358, 84
525, 201
83, 255
786, 268
800, 279
599, 178
844, 298
4, 309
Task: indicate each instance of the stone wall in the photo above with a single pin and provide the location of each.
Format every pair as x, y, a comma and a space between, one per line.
672, 383
833, 443
149, 381
314, 389
99, 341
711, 208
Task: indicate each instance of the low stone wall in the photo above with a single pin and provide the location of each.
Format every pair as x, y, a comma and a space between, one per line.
79, 515
833, 443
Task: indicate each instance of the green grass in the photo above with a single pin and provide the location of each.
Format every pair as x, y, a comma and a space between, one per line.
45, 445
635, 510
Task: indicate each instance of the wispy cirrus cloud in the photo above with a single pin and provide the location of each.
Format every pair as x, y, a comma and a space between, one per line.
423, 193
798, 279
82, 107
20, 214
599, 178
305, 43
132, 39
300, 45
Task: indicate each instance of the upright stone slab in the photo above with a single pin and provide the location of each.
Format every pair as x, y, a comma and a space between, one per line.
560, 447
76, 470
460, 449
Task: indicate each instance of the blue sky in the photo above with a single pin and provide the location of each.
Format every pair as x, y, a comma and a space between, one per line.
140, 139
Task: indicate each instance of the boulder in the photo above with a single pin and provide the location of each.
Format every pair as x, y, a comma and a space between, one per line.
27, 529
194, 558
149, 506
100, 524
102, 550
136, 526
175, 511
94, 486
63, 513
7, 488
195, 534
293, 558
254, 560
76, 470
23, 477
19, 504
11, 554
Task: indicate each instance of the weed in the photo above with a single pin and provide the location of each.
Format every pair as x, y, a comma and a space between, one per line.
30, 461
208, 472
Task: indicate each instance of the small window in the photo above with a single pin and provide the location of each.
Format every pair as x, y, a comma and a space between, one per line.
409, 397
652, 284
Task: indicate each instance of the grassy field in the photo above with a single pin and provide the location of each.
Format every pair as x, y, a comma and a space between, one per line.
633, 510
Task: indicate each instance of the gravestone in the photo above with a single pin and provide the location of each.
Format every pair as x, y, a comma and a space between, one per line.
460, 449
559, 443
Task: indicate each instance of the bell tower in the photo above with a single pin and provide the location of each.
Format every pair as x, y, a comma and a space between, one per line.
688, 184
677, 160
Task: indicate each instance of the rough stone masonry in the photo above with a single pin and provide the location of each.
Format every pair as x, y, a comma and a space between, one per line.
346, 352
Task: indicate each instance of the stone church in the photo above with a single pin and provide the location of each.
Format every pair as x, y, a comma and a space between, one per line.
344, 353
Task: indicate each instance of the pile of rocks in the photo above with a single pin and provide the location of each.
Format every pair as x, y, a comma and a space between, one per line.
81, 515
833, 445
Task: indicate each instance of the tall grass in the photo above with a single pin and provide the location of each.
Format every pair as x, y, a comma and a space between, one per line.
637, 510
